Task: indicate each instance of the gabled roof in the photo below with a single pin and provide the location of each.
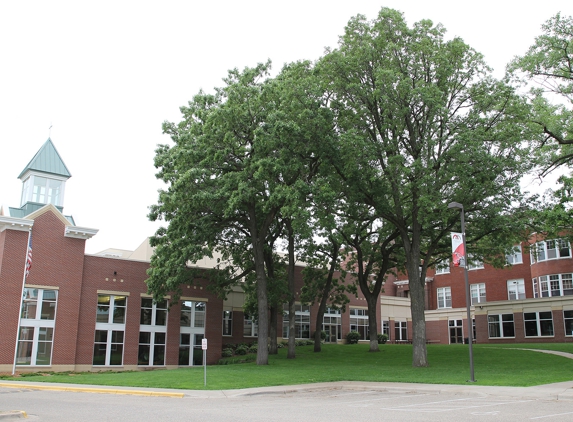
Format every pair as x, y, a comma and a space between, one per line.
47, 160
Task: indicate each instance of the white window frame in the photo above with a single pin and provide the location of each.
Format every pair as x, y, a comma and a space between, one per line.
539, 322
477, 293
516, 289
227, 323
550, 250
359, 322
42, 327
555, 285
443, 267
250, 326
475, 264
444, 296
197, 320
501, 323
400, 331
302, 320
568, 322
111, 327
157, 331
516, 257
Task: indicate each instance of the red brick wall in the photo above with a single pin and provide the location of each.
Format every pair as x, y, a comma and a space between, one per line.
13, 246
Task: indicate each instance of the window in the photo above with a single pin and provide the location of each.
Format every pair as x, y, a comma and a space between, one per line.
568, 317
538, 324
474, 263
36, 334
443, 267
44, 190
152, 332
110, 328
535, 288
556, 285
456, 331
302, 321
444, 297
227, 323
477, 293
331, 325
386, 328
500, 325
191, 332
516, 289
359, 322
550, 249
250, 327
400, 331
516, 257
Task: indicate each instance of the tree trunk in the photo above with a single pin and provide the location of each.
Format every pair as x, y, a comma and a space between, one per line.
291, 289
417, 306
262, 300
372, 301
273, 330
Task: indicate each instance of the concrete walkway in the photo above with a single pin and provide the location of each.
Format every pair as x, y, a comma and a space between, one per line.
557, 391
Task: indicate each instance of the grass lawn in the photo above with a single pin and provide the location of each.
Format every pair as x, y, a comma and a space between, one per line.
449, 364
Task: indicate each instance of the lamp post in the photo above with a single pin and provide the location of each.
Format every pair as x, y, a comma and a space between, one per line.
468, 300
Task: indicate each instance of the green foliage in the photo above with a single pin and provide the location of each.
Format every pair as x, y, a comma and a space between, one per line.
352, 337
227, 352
382, 338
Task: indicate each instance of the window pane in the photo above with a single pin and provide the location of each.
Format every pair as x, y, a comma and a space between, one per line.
145, 318
160, 317
143, 354
48, 310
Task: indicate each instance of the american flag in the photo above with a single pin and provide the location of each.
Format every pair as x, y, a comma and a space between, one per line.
29, 255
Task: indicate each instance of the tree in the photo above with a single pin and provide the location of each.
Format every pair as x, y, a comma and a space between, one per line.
422, 124
222, 191
549, 65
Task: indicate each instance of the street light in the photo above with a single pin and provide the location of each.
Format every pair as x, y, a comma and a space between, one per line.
468, 301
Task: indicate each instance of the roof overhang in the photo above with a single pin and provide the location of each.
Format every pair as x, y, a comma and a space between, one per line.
13, 223
77, 232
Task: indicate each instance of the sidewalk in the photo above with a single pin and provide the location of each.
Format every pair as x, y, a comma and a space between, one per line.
557, 391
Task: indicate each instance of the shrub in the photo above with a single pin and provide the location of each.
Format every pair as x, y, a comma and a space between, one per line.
352, 337
241, 349
382, 338
227, 353
252, 348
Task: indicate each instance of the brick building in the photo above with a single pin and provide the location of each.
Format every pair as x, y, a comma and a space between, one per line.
84, 312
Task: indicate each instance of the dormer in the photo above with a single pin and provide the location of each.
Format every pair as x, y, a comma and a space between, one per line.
43, 181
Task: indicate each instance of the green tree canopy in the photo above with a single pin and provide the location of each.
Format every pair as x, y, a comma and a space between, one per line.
422, 123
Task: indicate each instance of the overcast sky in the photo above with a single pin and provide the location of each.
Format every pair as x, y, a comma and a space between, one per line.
106, 74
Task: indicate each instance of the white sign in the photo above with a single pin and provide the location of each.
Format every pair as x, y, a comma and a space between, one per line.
204, 344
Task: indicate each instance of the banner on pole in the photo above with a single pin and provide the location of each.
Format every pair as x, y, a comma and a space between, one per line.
458, 252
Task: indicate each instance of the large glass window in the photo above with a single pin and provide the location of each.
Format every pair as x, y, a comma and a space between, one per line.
152, 332
359, 322
192, 330
516, 289
400, 331
477, 293
331, 325
456, 331
538, 324
36, 334
550, 249
302, 321
568, 319
250, 326
227, 323
500, 325
444, 297
110, 329
556, 285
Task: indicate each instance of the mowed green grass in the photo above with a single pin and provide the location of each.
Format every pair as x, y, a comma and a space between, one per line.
503, 365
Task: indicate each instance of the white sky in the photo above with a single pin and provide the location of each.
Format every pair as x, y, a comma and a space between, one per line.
106, 74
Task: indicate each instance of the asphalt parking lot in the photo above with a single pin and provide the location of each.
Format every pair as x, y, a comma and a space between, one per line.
318, 402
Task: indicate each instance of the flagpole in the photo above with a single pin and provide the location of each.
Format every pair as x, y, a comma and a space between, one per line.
21, 300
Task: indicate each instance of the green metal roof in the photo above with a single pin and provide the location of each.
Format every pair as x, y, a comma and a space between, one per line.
47, 160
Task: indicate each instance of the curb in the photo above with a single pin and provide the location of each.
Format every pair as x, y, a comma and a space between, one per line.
95, 390
13, 414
